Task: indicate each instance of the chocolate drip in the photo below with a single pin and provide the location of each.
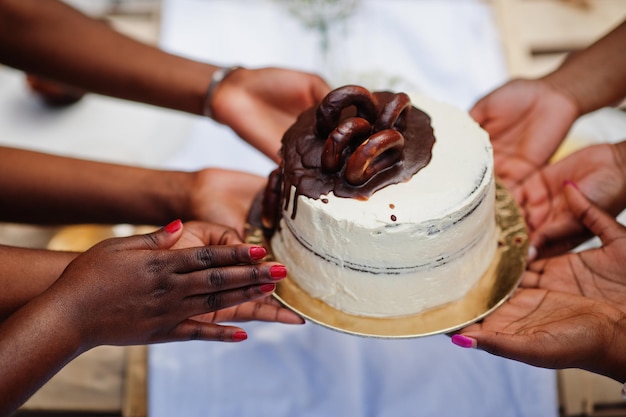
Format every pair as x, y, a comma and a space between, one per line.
302, 155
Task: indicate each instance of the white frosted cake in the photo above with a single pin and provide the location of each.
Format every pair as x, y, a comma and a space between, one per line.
387, 228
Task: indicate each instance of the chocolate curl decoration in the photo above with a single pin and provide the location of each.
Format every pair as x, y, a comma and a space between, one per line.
329, 110
379, 152
377, 141
352, 131
393, 115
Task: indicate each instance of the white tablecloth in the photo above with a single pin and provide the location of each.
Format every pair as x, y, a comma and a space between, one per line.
447, 49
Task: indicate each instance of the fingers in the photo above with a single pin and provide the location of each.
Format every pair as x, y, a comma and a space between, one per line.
263, 309
214, 289
558, 236
231, 277
214, 256
163, 238
206, 303
197, 330
267, 309
479, 112
497, 343
599, 222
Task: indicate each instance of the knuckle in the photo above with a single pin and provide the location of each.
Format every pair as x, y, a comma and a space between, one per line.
151, 239
255, 275
216, 278
195, 333
250, 293
213, 302
206, 256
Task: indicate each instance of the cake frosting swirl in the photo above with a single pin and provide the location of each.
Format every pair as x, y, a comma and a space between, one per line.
414, 232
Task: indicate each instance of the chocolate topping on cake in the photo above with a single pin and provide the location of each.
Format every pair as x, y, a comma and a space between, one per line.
354, 143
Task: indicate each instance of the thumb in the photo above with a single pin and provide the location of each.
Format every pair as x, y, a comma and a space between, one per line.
478, 112
599, 222
163, 238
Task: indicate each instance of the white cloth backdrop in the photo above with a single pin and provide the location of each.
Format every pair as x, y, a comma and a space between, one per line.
447, 49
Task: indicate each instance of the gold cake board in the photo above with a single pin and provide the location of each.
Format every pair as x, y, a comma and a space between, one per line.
492, 290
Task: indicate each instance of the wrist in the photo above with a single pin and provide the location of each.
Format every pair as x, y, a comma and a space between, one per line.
564, 87
219, 75
174, 196
616, 353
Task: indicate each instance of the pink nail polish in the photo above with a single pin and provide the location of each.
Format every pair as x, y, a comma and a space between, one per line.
278, 272
572, 183
268, 287
257, 253
464, 341
239, 336
174, 226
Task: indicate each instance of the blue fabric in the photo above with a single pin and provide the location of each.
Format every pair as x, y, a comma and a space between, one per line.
309, 371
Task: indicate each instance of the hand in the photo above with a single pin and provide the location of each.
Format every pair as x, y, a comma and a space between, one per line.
224, 197
134, 291
527, 121
596, 274
262, 309
553, 330
572, 309
598, 171
198, 233
259, 105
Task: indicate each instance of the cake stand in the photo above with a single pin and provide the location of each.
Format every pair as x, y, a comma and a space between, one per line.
495, 286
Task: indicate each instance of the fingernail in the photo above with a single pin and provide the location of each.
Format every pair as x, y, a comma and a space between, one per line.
532, 253
268, 287
572, 183
239, 336
257, 253
174, 226
278, 272
464, 341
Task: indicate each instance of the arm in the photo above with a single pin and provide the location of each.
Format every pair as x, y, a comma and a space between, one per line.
43, 188
89, 54
528, 119
47, 189
596, 76
136, 290
53, 40
26, 273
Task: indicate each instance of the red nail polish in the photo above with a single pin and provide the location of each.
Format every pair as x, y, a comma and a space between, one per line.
572, 183
239, 336
268, 287
174, 226
257, 253
278, 272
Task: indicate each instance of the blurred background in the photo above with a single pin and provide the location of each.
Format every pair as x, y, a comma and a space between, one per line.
456, 60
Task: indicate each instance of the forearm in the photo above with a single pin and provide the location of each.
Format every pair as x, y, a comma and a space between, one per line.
37, 341
26, 273
596, 76
40, 37
47, 189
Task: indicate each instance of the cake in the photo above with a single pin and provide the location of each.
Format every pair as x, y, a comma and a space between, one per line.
383, 204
